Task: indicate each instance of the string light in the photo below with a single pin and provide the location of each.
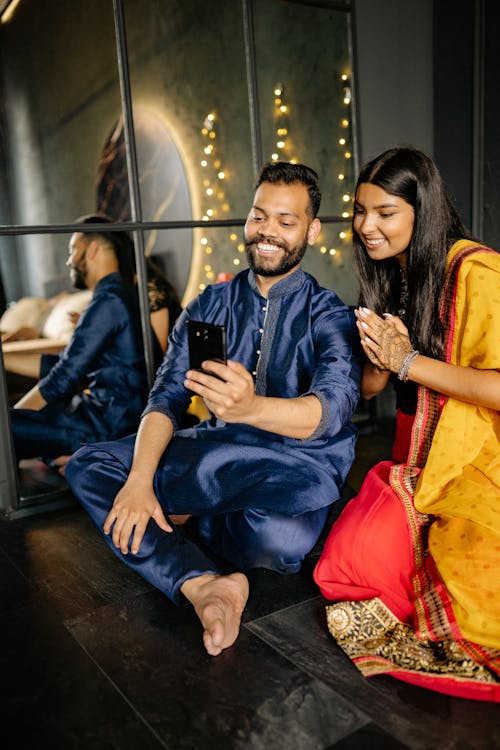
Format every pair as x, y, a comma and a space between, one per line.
343, 141
216, 176
215, 202
281, 110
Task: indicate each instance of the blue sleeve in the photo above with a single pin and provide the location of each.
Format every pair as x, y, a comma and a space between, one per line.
337, 375
95, 329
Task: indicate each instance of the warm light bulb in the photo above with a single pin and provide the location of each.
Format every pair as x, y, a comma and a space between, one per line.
342, 235
208, 268
208, 250
323, 249
212, 135
341, 176
274, 157
282, 131
209, 191
277, 91
233, 236
345, 123
210, 212
342, 141
344, 77
332, 251
201, 287
204, 241
208, 149
221, 175
236, 261
347, 154
345, 214
211, 117
283, 108
280, 144
204, 162
345, 198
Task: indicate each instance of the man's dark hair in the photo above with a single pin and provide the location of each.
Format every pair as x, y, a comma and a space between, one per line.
277, 172
120, 241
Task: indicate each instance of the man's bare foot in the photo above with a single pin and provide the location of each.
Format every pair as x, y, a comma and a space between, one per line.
219, 602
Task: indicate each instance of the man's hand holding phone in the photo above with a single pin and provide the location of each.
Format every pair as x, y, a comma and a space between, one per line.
226, 387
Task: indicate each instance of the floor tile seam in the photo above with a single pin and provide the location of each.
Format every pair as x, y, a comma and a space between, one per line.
8, 558
262, 618
366, 718
371, 717
118, 690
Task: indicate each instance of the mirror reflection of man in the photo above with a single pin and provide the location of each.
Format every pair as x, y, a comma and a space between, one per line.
95, 389
258, 478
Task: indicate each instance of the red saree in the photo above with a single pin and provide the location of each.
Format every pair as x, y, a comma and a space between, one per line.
413, 560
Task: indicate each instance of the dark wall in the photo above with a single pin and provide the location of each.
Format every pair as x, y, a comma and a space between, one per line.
453, 98
491, 167
467, 110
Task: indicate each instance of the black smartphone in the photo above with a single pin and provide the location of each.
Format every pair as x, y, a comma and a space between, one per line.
205, 341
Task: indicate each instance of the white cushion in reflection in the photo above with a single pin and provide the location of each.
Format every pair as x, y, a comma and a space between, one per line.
28, 312
59, 325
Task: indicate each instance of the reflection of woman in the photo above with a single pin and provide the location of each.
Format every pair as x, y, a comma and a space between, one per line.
413, 561
164, 304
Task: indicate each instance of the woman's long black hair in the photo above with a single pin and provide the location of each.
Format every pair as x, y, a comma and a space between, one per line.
411, 175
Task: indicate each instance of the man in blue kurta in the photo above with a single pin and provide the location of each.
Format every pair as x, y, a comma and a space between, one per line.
256, 479
96, 388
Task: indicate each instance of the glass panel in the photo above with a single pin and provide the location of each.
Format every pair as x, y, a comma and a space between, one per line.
330, 261
60, 99
306, 115
188, 79
303, 71
218, 255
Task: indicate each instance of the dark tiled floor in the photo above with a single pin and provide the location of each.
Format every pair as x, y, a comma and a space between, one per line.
94, 658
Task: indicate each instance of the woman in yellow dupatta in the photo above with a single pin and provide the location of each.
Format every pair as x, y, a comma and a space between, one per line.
414, 559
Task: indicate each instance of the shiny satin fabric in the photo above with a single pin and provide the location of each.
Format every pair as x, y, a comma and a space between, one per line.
260, 499
96, 388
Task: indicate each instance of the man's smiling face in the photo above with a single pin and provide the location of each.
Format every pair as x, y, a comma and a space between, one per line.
278, 228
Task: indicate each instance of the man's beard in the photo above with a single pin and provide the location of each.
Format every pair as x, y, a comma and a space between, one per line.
289, 260
78, 273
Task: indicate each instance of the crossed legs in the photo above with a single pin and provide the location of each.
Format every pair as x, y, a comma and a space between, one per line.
177, 565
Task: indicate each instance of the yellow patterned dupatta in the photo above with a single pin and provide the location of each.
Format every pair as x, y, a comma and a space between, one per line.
450, 490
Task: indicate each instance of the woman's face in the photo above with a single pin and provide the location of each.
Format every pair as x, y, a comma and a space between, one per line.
383, 222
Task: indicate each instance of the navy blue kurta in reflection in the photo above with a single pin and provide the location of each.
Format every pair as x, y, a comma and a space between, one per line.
96, 388
299, 341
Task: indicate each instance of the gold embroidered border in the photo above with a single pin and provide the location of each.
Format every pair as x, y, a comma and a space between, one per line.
377, 642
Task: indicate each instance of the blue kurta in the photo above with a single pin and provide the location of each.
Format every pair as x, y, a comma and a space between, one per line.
301, 340
96, 388
258, 499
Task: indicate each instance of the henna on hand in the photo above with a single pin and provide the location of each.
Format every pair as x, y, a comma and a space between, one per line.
384, 344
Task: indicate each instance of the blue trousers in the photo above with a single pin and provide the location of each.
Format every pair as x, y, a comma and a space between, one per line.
244, 538
50, 432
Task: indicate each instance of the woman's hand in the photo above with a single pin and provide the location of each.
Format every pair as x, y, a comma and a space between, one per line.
385, 341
